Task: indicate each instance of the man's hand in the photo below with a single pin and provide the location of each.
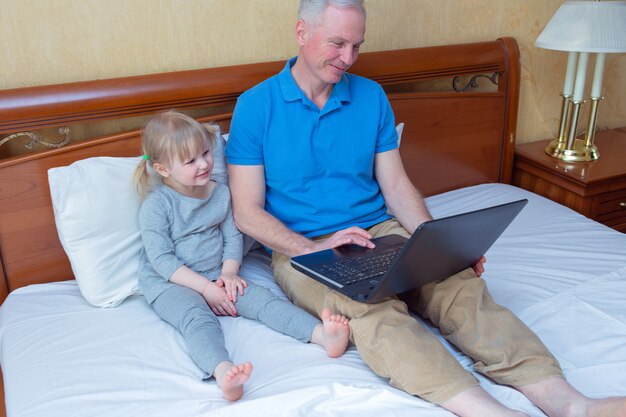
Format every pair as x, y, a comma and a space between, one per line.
479, 268
217, 299
232, 283
352, 235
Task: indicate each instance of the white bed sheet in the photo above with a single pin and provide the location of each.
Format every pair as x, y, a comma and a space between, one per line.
561, 273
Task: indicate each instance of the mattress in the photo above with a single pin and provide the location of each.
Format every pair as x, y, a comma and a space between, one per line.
561, 273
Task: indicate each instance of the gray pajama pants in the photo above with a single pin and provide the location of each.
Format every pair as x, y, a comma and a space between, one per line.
188, 312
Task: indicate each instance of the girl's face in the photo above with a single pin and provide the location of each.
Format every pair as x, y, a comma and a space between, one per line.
190, 177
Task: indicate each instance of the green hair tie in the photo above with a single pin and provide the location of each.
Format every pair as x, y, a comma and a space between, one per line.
145, 157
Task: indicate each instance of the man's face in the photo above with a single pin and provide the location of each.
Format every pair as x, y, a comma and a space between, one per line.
332, 46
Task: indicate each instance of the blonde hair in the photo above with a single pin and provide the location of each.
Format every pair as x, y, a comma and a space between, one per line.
170, 135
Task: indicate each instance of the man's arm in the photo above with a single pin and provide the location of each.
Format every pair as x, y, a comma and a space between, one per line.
401, 196
247, 187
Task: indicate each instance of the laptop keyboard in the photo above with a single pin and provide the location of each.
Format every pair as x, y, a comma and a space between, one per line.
349, 271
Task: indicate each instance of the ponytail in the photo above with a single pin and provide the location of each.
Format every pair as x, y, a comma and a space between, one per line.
141, 177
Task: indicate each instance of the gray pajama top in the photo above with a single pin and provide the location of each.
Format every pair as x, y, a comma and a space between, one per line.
179, 230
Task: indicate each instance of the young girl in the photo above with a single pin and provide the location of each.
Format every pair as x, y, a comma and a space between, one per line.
192, 253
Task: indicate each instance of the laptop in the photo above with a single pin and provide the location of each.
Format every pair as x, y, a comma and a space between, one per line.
437, 249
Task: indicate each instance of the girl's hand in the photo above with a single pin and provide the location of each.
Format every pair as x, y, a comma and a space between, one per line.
232, 283
217, 299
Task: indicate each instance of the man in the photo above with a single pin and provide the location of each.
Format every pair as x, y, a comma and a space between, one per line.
314, 164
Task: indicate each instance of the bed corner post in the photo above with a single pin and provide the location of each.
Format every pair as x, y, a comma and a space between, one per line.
510, 87
3, 408
4, 288
4, 292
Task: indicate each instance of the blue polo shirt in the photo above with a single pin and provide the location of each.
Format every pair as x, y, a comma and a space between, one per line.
319, 164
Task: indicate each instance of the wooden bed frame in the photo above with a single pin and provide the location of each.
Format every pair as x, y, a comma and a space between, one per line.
451, 139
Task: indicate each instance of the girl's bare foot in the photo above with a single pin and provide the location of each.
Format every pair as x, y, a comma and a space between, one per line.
230, 378
333, 333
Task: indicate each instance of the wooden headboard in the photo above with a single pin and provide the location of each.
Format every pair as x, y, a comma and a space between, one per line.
451, 139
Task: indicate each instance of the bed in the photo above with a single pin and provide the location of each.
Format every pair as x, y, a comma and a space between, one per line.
561, 273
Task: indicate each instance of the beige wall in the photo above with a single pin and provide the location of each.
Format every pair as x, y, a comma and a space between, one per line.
49, 42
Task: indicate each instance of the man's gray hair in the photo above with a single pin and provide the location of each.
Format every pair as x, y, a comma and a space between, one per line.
311, 10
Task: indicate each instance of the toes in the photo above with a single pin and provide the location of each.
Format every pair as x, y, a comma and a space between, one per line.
248, 368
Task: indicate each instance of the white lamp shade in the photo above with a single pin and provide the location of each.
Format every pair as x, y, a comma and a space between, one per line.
586, 26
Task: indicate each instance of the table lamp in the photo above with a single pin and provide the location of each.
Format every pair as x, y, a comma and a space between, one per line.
582, 28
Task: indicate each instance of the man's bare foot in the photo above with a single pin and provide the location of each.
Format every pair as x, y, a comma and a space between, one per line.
557, 398
230, 378
606, 407
333, 333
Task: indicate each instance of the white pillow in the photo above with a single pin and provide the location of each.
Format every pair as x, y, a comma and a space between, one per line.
95, 210
399, 129
220, 170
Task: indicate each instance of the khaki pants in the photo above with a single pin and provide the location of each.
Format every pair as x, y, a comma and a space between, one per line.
398, 347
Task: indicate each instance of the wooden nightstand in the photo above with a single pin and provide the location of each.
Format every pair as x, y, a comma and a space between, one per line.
596, 189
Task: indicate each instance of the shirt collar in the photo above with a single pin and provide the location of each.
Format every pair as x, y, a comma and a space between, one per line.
291, 91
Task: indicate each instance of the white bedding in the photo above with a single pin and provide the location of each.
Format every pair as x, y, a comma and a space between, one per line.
563, 274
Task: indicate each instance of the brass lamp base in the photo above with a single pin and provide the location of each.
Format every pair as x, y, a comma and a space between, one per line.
580, 152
